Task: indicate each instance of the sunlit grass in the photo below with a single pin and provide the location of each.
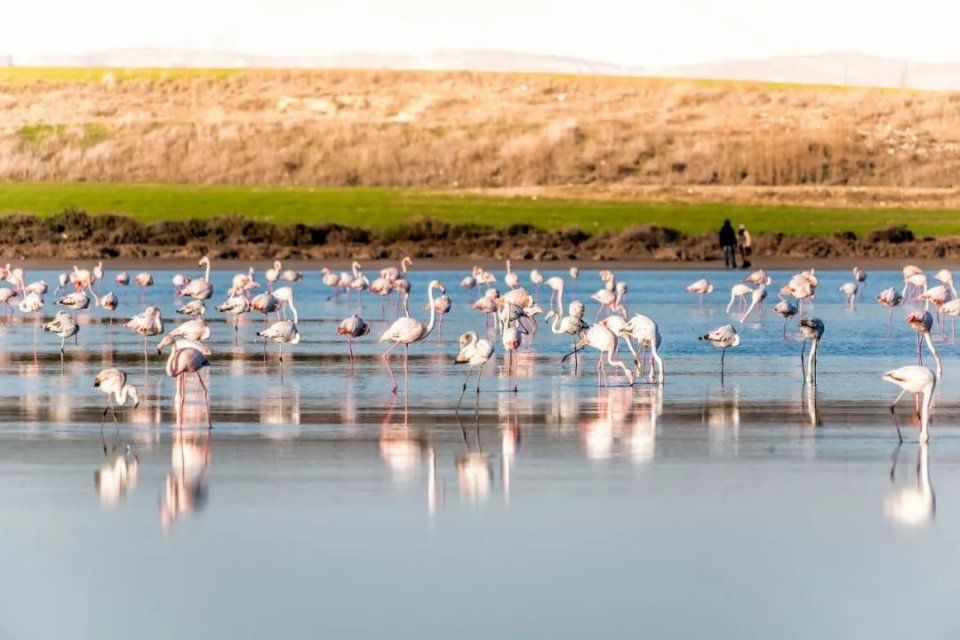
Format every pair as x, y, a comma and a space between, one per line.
387, 207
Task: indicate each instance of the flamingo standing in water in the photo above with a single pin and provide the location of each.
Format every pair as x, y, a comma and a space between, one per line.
757, 296
605, 341
571, 325
407, 331
722, 338
785, 309
6, 295
919, 381
186, 356
109, 302
701, 287
740, 291
236, 306
113, 382
536, 278
147, 323
63, 325
511, 336
922, 323
196, 330
352, 327
890, 298
952, 308
199, 288
946, 277
647, 334
860, 277
123, 278
849, 291
556, 291
474, 352
283, 331
812, 330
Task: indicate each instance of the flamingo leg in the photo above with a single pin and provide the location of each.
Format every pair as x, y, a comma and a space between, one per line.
479, 375
386, 359
206, 398
464, 389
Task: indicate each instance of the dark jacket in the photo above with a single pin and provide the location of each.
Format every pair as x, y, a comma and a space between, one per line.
728, 237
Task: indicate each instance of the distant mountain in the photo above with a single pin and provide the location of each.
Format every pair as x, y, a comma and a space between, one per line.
847, 69
472, 60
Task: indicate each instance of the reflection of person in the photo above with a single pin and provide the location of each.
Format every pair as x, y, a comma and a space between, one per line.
746, 246
728, 242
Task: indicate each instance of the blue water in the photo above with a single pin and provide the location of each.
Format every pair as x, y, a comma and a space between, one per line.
321, 504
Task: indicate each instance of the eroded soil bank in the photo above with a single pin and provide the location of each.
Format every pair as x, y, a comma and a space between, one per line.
77, 235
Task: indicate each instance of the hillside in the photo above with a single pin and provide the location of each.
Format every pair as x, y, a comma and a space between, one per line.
465, 129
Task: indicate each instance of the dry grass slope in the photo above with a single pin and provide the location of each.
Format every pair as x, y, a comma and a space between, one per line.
458, 129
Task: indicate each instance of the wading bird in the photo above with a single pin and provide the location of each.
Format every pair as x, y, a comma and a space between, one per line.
406, 331
700, 287
352, 327
922, 323
284, 331
918, 381
605, 341
63, 325
474, 352
645, 331
199, 288
722, 338
849, 291
812, 330
739, 291
113, 382
785, 309
890, 298
186, 356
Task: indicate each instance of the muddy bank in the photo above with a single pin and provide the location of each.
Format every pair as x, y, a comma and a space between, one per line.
77, 235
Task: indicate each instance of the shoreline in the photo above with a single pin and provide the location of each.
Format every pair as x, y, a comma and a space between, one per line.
465, 264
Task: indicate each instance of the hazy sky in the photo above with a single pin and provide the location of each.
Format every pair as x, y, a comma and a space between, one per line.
639, 32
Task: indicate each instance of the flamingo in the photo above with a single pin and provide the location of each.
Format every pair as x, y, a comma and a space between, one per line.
265, 303
511, 335
143, 280
186, 356
40, 286
556, 291
922, 322
443, 306
570, 325
511, 279
113, 382
474, 352
98, 272
147, 323
63, 278
31, 303
273, 274
407, 331
6, 295
701, 287
801, 287
757, 296
109, 302
236, 305
911, 271
536, 279
645, 331
722, 338
283, 331
740, 291
574, 272
193, 308
946, 277
812, 330
63, 325
785, 309
758, 277
199, 288
196, 330
123, 278
352, 327
290, 275
849, 291
952, 308
605, 341
78, 301
890, 298
179, 281
917, 380
860, 277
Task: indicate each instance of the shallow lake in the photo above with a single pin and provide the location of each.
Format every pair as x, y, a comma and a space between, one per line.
322, 505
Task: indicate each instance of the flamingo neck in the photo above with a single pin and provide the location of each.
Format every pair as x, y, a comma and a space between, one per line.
433, 312
296, 317
555, 327
207, 276
933, 352
812, 360
925, 411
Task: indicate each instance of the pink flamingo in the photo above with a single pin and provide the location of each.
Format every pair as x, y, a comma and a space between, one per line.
407, 331
353, 327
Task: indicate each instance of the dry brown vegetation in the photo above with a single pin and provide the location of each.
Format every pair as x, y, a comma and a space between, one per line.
451, 129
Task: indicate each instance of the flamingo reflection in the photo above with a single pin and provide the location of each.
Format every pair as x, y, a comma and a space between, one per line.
912, 506
185, 488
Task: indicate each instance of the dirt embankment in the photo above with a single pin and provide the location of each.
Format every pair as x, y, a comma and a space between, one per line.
461, 129
76, 235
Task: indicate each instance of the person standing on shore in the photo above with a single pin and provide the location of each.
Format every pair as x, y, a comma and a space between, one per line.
746, 246
728, 242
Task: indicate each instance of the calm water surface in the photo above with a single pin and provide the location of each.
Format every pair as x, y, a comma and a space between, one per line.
324, 506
